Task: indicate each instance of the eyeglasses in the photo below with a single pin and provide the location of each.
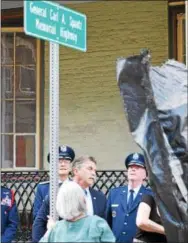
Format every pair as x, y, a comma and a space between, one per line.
65, 160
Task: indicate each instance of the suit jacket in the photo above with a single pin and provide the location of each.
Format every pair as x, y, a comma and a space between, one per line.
40, 223
121, 220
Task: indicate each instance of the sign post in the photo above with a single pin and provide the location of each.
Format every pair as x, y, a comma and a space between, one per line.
59, 25
54, 125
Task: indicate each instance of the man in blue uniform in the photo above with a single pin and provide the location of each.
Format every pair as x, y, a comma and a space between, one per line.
84, 170
122, 204
9, 215
66, 156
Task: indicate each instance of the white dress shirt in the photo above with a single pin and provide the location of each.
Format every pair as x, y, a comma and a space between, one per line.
89, 203
66, 180
136, 190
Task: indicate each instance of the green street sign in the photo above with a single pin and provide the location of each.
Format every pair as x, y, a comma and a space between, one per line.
53, 22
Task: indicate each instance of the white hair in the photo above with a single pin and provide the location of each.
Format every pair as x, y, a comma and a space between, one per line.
70, 201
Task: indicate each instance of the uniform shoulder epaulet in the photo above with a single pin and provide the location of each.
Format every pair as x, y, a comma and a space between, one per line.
148, 188
44, 182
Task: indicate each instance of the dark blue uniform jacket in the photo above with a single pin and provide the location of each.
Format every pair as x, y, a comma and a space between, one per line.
9, 215
121, 220
41, 192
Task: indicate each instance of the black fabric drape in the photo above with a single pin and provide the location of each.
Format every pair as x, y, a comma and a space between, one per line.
155, 102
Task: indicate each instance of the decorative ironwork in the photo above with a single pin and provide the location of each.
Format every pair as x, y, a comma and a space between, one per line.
24, 183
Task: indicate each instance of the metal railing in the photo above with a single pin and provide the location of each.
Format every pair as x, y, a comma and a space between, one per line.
24, 183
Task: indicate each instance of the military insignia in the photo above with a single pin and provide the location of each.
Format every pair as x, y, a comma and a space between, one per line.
114, 205
113, 214
6, 201
135, 156
44, 182
63, 148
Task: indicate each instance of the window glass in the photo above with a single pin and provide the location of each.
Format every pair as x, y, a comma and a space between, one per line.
25, 116
7, 118
7, 48
25, 49
18, 99
7, 82
25, 151
25, 81
7, 151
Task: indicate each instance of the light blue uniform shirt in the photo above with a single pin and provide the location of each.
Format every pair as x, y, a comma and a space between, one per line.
136, 190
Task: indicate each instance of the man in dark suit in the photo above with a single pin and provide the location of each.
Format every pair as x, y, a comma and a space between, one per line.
66, 156
84, 172
122, 204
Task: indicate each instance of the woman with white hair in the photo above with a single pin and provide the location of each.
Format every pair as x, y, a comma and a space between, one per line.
76, 225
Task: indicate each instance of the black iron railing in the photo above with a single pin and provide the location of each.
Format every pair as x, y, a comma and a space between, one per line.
24, 183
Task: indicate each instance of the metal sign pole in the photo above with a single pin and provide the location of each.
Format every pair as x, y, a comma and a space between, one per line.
54, 125
66, 27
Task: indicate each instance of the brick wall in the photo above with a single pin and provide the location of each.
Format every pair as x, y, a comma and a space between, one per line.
92, 119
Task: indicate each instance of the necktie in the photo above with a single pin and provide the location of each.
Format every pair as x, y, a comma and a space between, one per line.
85, 191
131, 199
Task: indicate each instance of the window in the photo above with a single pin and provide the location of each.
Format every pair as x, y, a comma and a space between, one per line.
177, 31
20, 100
181, 56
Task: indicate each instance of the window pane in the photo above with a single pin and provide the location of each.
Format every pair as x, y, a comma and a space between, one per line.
25, 82
7, 116
7, 151
25, 116
7, 48
25, 49
7, 81
25, 151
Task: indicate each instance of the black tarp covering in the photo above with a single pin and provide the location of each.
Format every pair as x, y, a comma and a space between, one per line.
155, 102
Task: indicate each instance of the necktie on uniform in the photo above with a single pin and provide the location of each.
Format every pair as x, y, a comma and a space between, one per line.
130, 200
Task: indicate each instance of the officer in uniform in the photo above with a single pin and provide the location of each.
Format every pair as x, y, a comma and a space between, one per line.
66, 156
9, 215
122, 204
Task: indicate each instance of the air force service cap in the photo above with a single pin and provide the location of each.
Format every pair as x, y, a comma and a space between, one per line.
65, 152
135, 159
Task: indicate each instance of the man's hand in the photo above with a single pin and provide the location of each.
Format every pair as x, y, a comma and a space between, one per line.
51, 223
